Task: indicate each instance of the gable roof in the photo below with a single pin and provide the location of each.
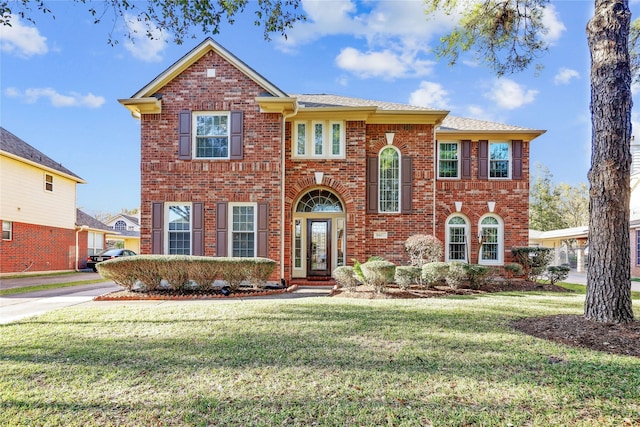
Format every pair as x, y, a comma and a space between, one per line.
143, 100
85, 219
16, 148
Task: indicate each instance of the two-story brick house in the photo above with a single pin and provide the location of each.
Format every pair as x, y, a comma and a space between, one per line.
234, 166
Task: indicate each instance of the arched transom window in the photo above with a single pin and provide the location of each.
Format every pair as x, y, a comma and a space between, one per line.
120, 225
319, 201
456, 239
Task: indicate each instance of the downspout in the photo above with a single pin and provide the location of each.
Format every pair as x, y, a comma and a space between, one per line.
435, 174
78, 231
282, 188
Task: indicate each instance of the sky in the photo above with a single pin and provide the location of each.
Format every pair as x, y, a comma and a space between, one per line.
60, 81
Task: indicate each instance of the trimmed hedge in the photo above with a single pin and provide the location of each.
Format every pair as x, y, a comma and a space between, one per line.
182, 271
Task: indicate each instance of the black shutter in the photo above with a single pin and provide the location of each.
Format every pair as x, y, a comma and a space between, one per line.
157, 225
235, 143
406, 185
483, 159
184, 135
516, 171
197, 229
466, 159
263, 230
221, 229
372, 184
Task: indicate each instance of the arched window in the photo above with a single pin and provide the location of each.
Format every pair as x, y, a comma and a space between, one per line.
491, 232
389, 180
319, 201
456, 239
120, 225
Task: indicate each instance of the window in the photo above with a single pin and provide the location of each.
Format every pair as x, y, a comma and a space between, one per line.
491, 245
323, 139
7, 230
211, 136
120, 225
499, 159
95, 244
178, 229
456, 239
297, 244
243, 230
448, 160
48, 182
389, 181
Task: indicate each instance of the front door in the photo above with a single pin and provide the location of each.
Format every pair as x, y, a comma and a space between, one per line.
318, 247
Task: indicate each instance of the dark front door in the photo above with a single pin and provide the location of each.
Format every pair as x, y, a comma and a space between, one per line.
318, 247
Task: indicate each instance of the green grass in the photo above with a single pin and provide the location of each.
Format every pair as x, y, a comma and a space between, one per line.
34, 288
316, 361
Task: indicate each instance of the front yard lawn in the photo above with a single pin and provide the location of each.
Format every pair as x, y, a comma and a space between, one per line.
318, 361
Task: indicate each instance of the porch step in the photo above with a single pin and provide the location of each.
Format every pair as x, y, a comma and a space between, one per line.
315, 281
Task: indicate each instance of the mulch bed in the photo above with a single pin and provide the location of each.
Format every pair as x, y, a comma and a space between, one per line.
171, 295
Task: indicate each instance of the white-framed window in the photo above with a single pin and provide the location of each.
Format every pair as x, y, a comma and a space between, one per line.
211, 134
389, 180
48, 183
120, 225
95, 243
491, 232
178, 228
318, 139
7, 230
457, 239
448, 159
500, 159
242, 227
297, 244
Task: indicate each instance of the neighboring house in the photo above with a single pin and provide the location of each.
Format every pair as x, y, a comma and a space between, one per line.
92, 237
569, 245
127, 228
231, 165
37, 209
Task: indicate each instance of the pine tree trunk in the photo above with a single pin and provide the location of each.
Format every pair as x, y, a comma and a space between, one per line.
608, 269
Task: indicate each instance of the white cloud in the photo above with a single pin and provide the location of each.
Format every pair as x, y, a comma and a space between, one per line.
385, 64
510, 95
565, 75
22, 40
396, 35
430, 94
73, 99
141, 46
554, 25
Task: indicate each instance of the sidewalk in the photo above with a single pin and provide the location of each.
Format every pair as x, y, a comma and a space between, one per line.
35, 280
580, 278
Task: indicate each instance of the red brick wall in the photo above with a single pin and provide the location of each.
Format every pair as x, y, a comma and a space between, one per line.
255, 178
37, 248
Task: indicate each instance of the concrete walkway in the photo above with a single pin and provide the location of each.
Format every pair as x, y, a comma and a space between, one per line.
581, 279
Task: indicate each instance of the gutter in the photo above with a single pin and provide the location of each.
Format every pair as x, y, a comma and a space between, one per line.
78, 231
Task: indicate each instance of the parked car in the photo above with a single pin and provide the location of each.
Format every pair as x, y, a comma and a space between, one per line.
92, 260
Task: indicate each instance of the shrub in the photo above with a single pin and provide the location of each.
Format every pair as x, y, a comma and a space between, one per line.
180, 270
406, 276
513, 269
378, 274
423, 249
434, 273
534, 260
556, 273
477, 274
357, 267
345, 276
456, 274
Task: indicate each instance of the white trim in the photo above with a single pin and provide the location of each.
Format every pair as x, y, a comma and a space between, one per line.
510, 160
459, 160
194, 136
467, 235
230, 226
165, 231
386, 147
500, 227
